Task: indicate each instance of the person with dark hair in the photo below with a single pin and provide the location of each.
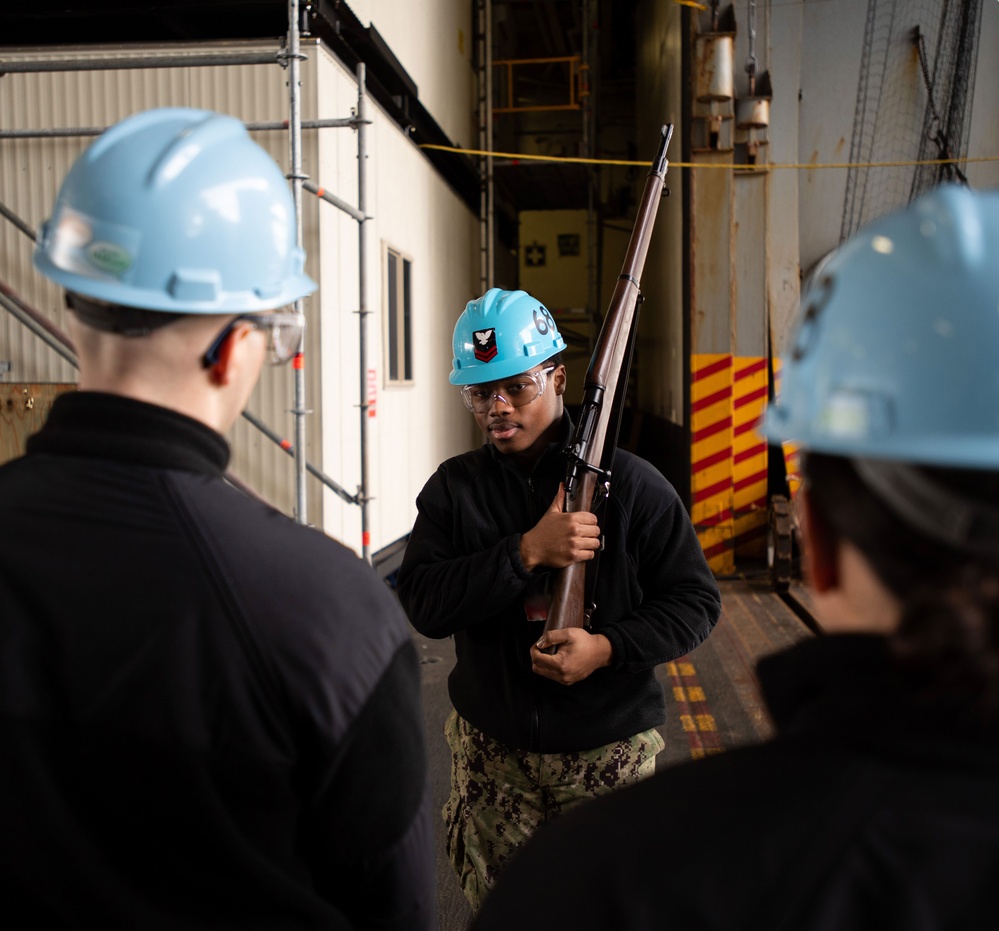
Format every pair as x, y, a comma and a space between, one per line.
209, 714
876, 805
535, 733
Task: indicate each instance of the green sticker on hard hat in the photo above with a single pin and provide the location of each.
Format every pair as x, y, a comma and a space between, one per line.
109, 258
84, 245
855, 414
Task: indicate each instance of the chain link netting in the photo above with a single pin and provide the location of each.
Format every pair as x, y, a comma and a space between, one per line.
913, 102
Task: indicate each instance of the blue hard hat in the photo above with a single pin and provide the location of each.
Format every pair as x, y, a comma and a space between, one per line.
895, 351
500, 334
176, 210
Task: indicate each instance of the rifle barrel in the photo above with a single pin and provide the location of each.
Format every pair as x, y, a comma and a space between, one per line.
604, 377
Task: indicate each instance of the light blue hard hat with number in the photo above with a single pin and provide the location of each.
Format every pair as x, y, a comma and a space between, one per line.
500, 334
176, 210
895, 351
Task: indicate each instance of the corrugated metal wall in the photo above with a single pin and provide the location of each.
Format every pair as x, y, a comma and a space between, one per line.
30, 173
412, 210
31, 170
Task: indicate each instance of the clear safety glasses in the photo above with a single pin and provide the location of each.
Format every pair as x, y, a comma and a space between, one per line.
284, 335
518, 391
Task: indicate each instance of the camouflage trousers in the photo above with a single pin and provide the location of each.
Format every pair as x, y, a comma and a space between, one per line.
499, 796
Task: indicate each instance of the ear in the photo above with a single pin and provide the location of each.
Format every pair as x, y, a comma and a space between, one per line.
224, 370
820, 545
559, 380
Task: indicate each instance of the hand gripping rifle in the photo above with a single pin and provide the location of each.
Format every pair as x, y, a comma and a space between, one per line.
589, 454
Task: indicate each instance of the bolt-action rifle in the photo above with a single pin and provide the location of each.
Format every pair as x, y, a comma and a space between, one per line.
591, 451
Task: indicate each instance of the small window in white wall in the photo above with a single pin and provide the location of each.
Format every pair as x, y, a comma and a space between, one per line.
398, 317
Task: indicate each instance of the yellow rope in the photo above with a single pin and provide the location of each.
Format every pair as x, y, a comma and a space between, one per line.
520, 156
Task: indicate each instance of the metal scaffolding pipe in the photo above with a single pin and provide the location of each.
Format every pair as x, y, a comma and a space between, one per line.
490, 197
24, 315
57, 340
9, 214
362, 310
361, 215
73, 132
52, 336
323, 194
40, 323
590, 51
144, 61
345, 122
290, 450
290, 59
486, 162
294, 59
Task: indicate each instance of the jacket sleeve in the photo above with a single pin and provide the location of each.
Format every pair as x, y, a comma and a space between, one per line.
680, 602
370, 838
441, 585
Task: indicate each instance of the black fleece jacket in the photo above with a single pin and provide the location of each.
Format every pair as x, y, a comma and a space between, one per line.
876, 807
209, 715
656, 598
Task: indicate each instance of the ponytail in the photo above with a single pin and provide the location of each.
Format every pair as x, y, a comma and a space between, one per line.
948, 638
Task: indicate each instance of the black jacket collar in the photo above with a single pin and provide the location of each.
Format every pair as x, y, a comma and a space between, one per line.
107, 426
848, 689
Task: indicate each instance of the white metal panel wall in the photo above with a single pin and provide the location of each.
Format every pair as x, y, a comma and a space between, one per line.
336, 171
31, 171
413, 210
435, 44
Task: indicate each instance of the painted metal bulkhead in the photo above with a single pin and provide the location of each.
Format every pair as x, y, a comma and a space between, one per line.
768, 198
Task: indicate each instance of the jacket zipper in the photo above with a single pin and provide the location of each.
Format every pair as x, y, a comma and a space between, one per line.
535, 722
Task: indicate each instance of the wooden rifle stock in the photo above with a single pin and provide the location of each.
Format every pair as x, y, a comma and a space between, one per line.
606, 375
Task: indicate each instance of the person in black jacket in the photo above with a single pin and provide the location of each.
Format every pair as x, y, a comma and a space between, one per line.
533, 733
210, 714
877, 803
